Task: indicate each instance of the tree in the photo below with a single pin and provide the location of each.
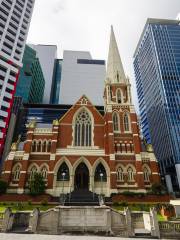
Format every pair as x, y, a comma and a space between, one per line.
3, 186
37, 185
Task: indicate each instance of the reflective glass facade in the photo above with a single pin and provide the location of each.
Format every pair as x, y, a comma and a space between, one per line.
157, 72
55, 90
31, 81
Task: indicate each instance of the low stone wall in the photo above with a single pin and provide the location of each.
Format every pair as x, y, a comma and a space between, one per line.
101, 220
143, 199
170, 230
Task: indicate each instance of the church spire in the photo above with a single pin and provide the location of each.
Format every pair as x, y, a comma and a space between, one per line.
115, 72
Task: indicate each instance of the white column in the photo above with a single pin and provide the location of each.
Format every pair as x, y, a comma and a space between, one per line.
169, 183
178, 173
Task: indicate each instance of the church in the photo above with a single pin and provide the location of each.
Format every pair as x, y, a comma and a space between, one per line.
85, 149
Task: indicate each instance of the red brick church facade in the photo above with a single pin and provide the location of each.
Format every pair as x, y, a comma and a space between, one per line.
85, 149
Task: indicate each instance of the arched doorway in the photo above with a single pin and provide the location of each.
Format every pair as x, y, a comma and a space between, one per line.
81, 178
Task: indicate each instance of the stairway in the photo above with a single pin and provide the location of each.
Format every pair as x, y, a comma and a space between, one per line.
82, 197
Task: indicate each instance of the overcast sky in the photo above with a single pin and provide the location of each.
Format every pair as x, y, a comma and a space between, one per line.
85, 25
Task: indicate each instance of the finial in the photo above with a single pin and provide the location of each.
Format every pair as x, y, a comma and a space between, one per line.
32, 124
55, 122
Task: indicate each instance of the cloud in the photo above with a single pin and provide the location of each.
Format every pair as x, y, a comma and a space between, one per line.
58, 6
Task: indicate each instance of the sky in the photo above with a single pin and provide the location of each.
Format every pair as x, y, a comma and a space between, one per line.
85, 25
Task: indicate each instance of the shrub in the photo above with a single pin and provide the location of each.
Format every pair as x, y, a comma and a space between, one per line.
37, 185
3, 186
158, 189
123, 204
19, 206
44, 202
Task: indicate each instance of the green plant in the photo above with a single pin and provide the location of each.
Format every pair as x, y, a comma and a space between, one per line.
19, 206
29, 202
44, 202
158, 189
123, 204
3, 186
37, 185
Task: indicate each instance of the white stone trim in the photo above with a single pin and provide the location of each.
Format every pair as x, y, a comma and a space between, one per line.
80, 151
112, 157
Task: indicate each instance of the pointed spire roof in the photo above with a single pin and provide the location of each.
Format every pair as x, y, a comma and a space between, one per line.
115, 72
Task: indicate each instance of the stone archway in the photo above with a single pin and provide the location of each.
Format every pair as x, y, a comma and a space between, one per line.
81, 177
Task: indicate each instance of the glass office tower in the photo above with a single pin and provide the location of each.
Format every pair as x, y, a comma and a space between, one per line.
31, 83
157, 72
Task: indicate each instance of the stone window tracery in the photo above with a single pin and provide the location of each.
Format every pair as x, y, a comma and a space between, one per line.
146, 174
130, 174
44, 172
83, 129
120, 174
16, 174
33, 171
115, 122
126, 123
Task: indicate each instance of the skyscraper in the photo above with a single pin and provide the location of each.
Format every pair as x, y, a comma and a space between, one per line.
81, 74
15, 18
47, 55
31, 81
157, 71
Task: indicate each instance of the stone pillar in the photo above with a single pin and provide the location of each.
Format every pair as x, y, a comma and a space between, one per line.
178, 172
130, 229
154, 223
8, 220
33, 221
169, 183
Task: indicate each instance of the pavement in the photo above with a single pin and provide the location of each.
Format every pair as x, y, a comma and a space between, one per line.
9, 236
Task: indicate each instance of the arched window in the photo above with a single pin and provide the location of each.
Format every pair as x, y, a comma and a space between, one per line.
83, 129
33, 171
16, 173
115, 122
118, 96
39, 146
146, 174
63, 173
100, 173
34, 146
44, 172
130, 174
44, 146
126, 123
120, 174
49, 146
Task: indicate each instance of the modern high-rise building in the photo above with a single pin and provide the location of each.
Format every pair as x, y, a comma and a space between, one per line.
56, 83
15, 16
31, 81
157, 71
47, 55
81, 74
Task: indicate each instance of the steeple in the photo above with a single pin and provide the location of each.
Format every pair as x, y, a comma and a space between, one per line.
115, 72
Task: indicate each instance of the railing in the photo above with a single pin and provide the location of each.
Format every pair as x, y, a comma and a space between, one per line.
169, 229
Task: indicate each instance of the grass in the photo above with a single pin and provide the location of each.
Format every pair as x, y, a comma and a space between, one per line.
24, 207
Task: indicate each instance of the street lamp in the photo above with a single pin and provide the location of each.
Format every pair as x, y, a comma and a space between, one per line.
101, 195
63, 177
